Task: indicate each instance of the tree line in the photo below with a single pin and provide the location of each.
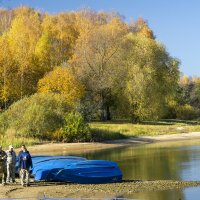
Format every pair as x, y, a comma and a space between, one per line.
104, 67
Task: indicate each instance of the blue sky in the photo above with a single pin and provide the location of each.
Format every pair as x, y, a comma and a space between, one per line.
176, 23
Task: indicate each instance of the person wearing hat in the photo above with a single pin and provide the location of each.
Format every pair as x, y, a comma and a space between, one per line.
11, 162
3, 165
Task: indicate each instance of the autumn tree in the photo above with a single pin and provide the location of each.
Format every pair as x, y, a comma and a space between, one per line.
23, 47
6, 17
24, 11
96, 61
60, 34
61, 81
106, 64
141, 27
7, 73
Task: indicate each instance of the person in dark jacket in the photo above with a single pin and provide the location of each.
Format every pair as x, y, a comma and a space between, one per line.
3, 158
25, 163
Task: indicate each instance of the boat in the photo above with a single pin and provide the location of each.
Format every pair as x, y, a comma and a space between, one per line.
75, 169
90, 172
45, 168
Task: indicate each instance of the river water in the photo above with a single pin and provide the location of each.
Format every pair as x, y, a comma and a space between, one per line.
159, 161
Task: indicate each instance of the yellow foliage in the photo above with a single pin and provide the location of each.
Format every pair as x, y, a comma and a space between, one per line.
196, 80
62, 33
144, 28
172, 104
23, 11
97, 54
184, 80
23, 45
147, 32
61, 81
7, 67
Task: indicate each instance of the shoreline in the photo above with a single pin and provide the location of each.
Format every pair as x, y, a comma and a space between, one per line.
91, 191
70, 148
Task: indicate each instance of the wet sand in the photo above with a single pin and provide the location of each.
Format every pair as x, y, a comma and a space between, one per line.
59, 190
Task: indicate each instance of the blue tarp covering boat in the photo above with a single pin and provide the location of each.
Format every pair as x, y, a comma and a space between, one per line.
90, 172
75, 169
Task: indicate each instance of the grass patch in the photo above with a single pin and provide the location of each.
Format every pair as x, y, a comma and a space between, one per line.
5, 141
145, 129
102, 131
99, 135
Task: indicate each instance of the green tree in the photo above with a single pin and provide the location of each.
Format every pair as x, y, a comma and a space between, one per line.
195, 93
152, 77
75, 129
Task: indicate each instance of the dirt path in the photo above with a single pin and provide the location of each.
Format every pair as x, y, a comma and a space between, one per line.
172, 137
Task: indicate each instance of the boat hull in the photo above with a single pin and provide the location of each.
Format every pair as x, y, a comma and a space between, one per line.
75, 169
90, 172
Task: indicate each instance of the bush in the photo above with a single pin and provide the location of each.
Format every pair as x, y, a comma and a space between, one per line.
37, 116
75, 128
186, 112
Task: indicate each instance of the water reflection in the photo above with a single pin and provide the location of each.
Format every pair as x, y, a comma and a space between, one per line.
160, 195
147, 163
172, 161
156, 162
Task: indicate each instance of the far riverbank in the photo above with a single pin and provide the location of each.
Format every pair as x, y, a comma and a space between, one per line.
75, 148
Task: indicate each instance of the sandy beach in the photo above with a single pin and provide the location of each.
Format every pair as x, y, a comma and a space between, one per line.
60, 190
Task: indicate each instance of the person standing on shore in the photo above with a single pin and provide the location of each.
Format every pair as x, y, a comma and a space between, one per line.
11, 162
25, 163
3, 158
